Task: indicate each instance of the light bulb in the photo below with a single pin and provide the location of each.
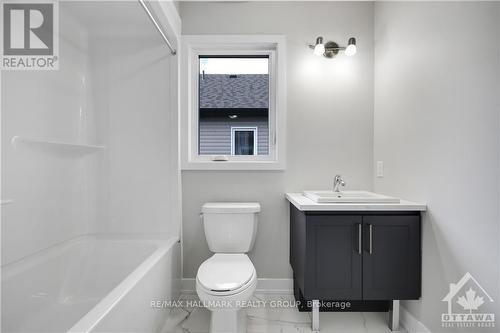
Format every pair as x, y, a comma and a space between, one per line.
319, 49
351, 48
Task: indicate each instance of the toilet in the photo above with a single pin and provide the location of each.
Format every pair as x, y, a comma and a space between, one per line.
227, 280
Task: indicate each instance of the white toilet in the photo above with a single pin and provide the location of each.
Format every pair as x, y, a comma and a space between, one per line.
227, 280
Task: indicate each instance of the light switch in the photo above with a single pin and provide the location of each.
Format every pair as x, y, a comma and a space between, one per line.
380, 169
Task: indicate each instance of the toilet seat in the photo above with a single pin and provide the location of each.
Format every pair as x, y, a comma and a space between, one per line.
226, 274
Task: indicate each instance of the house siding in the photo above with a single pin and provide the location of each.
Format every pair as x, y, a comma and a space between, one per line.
215, 134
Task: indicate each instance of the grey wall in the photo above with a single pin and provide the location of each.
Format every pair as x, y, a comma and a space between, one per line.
437, 131
330, 119
215, 134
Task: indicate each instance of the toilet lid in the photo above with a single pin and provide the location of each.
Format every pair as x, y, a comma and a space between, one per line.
225, 271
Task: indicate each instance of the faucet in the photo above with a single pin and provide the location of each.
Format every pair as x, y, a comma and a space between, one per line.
337, 182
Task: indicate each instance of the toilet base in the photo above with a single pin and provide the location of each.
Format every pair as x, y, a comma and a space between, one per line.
228, 321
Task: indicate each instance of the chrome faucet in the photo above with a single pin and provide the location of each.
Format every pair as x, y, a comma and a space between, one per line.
337, 182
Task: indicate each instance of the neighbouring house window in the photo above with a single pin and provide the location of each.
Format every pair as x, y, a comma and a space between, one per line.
243, 141
233, 92
233, 108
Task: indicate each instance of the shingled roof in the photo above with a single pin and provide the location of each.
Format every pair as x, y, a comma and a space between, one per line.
223, 91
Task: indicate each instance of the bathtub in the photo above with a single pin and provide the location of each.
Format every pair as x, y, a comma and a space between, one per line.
92, 284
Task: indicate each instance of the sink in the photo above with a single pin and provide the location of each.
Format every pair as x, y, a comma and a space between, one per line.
348, 197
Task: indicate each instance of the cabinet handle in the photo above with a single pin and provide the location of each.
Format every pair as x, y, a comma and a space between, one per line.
370, 226
359, 237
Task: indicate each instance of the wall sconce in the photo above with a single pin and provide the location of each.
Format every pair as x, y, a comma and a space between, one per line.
330, 49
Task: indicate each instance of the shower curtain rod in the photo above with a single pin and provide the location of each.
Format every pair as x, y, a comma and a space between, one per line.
152, 18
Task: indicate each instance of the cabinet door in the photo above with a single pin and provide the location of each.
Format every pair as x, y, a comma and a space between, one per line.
392, 257
334, 257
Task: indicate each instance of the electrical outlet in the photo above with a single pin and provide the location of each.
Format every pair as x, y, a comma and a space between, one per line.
380, 169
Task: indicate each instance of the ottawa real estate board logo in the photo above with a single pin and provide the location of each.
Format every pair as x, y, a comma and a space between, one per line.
29, 35
466, 301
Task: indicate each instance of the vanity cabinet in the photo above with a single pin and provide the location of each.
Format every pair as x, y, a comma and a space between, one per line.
359, 255
392, 270
332, 254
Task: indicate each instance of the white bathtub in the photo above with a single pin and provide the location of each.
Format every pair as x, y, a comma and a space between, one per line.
92, 284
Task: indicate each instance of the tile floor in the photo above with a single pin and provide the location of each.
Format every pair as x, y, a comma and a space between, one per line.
273, 319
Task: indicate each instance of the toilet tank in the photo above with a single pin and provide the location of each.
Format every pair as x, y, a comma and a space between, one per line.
230, 227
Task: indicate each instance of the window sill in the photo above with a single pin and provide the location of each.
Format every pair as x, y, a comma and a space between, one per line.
234, 165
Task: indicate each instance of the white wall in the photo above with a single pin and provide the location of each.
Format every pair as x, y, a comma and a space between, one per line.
137, 183
437, 78
53, 193
329, 129
113, 88
133, 73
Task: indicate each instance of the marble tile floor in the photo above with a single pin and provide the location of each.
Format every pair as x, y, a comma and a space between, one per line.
278, 319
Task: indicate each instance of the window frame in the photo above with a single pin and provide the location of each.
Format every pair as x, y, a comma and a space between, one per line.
253, 129
195, 45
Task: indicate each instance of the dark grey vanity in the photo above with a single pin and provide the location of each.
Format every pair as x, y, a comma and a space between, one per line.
368, 255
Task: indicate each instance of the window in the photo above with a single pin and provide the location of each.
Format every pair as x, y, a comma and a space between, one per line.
233, 102
233, 92
244, 141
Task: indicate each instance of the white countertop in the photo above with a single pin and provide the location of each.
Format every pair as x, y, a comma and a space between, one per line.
306, 204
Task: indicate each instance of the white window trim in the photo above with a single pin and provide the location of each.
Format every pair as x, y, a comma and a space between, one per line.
194, 45
255, 131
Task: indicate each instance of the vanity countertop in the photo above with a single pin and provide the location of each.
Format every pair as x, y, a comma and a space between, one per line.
305, 204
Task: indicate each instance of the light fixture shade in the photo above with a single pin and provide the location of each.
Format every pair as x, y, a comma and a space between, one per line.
351, 48
319, 48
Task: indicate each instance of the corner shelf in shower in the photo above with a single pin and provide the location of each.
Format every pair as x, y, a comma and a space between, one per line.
57, 146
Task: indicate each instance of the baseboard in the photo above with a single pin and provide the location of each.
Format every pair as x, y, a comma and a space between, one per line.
264, 286
274, 286
411, 323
